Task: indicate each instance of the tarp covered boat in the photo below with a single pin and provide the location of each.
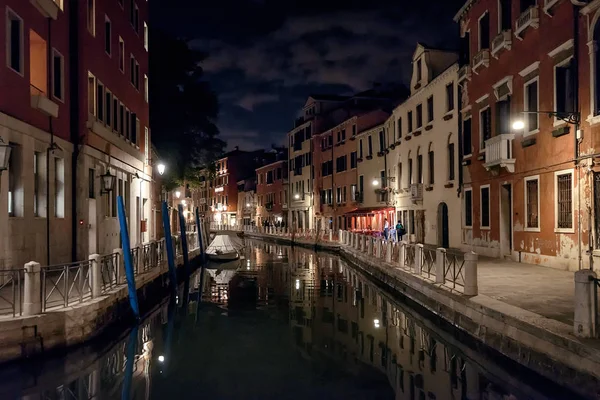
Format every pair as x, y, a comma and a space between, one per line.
222, 249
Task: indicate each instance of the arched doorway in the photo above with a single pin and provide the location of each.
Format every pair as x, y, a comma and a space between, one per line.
443, 239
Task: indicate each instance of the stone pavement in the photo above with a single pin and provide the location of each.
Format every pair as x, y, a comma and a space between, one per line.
545, 291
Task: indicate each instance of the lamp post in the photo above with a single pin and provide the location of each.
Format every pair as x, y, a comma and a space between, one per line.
571, 118
161, 168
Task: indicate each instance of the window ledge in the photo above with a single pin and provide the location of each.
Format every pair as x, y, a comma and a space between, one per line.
532, 230
593, 120
470, 228
530, 133
485, 228
564, 230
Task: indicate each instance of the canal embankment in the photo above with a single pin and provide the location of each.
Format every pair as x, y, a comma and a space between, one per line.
544, 345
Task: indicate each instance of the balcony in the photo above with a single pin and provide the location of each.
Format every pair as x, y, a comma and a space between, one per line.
529, 18
500, 42
498, 153
41, 102
464, 73
48, 8
481, 60
548, 4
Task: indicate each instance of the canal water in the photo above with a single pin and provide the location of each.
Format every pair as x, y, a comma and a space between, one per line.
281, 323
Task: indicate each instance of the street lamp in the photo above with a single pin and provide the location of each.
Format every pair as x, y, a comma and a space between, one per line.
297, 196
375, 182
518, 125
178, 194
5, 150
570, 117
161, 168
108, 182
247, 205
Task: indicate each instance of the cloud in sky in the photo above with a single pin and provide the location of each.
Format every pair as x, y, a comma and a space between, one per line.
250, 101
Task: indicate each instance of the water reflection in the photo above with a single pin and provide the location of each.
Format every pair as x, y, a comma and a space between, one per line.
310, 321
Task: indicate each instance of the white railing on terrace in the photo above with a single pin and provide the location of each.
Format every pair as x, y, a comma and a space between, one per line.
528, 18
498, 152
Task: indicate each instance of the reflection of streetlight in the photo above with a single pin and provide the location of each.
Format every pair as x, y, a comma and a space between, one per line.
248, 205
161, 359
297, 196
375, 182
161, 168
178, 194
376, 323
183, 202
518, 125
297, 284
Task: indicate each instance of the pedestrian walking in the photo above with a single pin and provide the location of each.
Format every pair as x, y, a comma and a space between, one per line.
386, 229
400, 231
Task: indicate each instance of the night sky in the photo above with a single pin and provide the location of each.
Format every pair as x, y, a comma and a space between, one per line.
267, 56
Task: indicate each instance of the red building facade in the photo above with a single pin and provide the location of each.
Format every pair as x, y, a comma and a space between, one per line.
272, 193
521, 186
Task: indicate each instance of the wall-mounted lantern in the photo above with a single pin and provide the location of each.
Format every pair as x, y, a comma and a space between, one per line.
108, 182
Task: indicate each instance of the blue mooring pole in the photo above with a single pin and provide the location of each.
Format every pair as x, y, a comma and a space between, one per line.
169, 244
131, 350
200, 234
126, 246
202, 256
184, 246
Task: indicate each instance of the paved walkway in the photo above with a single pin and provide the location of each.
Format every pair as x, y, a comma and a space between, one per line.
545, 291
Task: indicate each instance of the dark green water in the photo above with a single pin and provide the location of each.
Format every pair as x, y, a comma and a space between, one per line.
280, 324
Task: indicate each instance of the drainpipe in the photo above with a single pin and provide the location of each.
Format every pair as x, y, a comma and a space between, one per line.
74, 115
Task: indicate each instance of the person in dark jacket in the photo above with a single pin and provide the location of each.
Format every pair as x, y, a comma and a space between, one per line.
400, 231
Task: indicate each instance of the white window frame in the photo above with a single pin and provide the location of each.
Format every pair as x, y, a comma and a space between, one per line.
465, 156
10, 15
107, 91
481, 227
481, 141
146, 89
146, 35
95, 95
91, 25
147, 145
479, 29
122, 64
62, 74
526, 131
558, 122
106, 19
525, 196
556, 174
464, 219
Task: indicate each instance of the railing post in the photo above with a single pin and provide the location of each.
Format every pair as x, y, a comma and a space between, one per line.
365, 245
32, 288
418, 258
585, 307
470, 269
341, 237
379, 247
388, 253
120, 266
440, 262
331, 235
402, 254
95, 275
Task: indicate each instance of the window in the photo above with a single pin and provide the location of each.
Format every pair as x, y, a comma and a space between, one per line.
341, 163
59, 188
58, 73
329, 196
146, 88
136, 18
361, 187
485, 126
370, 154
430, 109
419, 71
91, 16
485, 206
531, 106
381, 141
343, 133
14, 41
410, 171
431, 168
564, 200
504, 15
121, 54
503, 116
15, 182
360, 149
353, 192
147, 148
532, 202
399, 176
399, 128
420, 168
409, 117
91, 183
37, 184
122, 123
146, 34
338, 197
135, 130
134, 72
419, 116
525, 4
327, 168
484, 31
91, 94
467, 141
108, 109
353, 162
450, 97
100, 101
451, 161
107, 36
468, 203
38, 63
127, 132
564, 89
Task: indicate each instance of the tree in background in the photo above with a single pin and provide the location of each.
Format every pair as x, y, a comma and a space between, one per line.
183, 110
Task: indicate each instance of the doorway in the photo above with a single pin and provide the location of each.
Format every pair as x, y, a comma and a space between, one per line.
443, 235
506, 228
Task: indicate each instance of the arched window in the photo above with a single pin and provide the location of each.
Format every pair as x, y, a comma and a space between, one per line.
410, 169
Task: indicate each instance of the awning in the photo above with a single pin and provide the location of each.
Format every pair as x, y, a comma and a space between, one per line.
368, 210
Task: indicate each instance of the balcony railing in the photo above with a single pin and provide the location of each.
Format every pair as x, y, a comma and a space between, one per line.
464, 73
481, 59
41, 102
498, 152
502, 41
529, 18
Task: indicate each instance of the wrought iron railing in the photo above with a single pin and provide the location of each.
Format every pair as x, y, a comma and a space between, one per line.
428, 261
148, 257
454, 269
135, 257
409, 255
65, 284
109, 265
11, 292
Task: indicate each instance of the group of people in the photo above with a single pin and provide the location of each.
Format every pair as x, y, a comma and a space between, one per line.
395, 233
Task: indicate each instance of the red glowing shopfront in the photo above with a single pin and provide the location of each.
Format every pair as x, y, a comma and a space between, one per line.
369, 219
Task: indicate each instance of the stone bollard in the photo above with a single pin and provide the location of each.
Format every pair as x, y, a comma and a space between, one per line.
369, 246
585, 307
379, 244
388, 253
95, 275
341, 237
32, 288
471, 274
402, 254
120, 265
418, 258
440, 262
